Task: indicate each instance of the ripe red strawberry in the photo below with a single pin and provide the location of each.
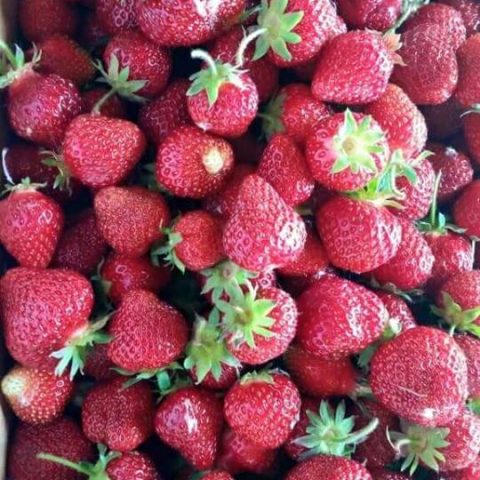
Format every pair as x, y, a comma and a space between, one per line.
165, 113
358, 235
354, 68
112, 107
430, 71
263, 231
98, 365
191, 163
36, 395
370, 14
398, 310
115, 16
62, 56
190, 420
346, 151
469, 473
465, 209
62, 438
30, 225
263, 408
295, 112
147, 334
133, 233
145, 61
40, 19
401, 120
119, 417
217, 475
471, 348
443, 120
328, 468
101, 151
81, 246
470, 11
421, 375
384, 474
120, 274
468, 92
284, 167
412, 266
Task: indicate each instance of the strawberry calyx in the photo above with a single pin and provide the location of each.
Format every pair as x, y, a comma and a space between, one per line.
163, 377
55, 160
330, 432
474, 405
13, 65
271, 117
25, 185
167, 252
207, 351
264, 376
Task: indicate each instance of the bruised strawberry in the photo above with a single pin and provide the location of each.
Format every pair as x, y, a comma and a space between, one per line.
465, 209
471, 348
370, 14
112, 107
468, 92
115, 16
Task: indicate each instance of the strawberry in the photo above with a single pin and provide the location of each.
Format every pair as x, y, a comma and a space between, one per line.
358, 235
217, 475
465, 211
147, 334
263, 231
62, 437
101, 151
115, 16
62, 56
346, 151
227, 378
263, 408
421, 375
320, 377
469, 473
284, 167
470, 12
443, 120
384, 474
119, 417
132, 234
120, 274
112, 107
398, 310
370, 14
40, 19
191, 163
354, 68
429, 72
328, 468
166, 112
36, 395
81, 246
471, 348
97, 363
190, 420
468, 93
145, 61
30, 225
401, 120
293, 111
190, 23
336, 336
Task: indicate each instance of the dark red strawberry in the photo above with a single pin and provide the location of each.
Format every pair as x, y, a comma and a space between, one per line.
190, 420
466, 213
112, 107
98, 365
370, 14
443, 120
470, 11
115, 16
468, 92
471, 348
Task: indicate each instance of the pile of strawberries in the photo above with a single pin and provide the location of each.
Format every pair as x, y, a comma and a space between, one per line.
239, 240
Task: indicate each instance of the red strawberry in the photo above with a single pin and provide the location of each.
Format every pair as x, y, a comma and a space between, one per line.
295, 112
165, 113
421, 375
370, 14
469, 473
470, 11
120, 275
401, 120
134, 233
30, 225
465, 209
145, 61
147, 334
398, 310
263, 408
119, 417
354, 68
443, 120
98, 365
346, 151
468, 92
357, 235
62, 438
190, 420
112, 107
471, 348
284, 167
263, 231
36, 395
430, 71
101, 151
384, 474
81, 246
40, 19
115, 16
191, 163
217, 475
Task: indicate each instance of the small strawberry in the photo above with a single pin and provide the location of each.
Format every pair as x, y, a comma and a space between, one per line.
370, 14
112, 107
443, 120
263, 231
115, 16
191, 163
471, 348
132, 234
421, 375
97, 363
36, 395
397, 309
468, 92
465, 209
190, 420
470, 12
263, 407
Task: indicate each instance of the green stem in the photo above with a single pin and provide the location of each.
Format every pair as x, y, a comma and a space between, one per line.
434, 205
364, 432
96, 108
246, 40
63, 461
203, 55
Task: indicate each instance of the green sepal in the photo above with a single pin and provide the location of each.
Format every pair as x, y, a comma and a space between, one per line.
264, 376
63, 177
271, 122
474, 405
163, 377
24, 185
166, 250
13, 63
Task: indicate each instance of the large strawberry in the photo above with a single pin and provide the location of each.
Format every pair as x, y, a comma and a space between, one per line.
115, 16
371, 14
468, 92
465, 209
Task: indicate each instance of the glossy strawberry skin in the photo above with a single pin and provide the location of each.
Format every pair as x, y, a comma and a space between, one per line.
354, 68
190, 420
371, 14
147, 333
101, 151
41, 311
191, 163
470, 11
132, 466
113, 106
471, 348
421, 375
465, 209
116, 16
468, 92
357, 236
121, 418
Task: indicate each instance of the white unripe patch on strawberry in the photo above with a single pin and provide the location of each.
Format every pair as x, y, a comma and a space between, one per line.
190, 419
213, 161
13, 387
